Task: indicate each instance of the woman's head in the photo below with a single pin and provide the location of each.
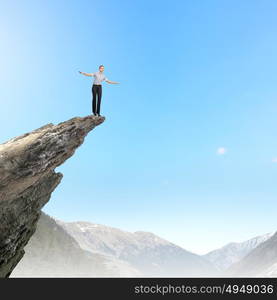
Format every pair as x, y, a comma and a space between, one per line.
101, 68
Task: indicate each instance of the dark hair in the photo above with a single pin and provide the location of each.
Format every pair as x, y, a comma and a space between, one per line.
101, 66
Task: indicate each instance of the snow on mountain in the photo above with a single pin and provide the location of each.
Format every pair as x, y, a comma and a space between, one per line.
260, 262
224, 257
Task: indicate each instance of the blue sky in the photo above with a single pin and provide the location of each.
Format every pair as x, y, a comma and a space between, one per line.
188, 150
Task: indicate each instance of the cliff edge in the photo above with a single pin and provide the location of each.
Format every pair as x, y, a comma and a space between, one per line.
27, 179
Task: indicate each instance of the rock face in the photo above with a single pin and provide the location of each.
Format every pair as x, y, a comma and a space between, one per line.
27, 179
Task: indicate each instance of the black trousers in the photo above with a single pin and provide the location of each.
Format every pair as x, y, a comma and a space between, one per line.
96, 98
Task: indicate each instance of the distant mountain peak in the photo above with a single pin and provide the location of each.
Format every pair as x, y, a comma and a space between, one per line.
231, 253
260, 262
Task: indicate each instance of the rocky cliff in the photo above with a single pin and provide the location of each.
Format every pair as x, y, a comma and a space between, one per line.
27, 179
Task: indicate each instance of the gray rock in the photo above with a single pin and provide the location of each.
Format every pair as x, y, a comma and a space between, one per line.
27, 179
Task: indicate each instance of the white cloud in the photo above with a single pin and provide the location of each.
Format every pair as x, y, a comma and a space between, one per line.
221, 150
274, 159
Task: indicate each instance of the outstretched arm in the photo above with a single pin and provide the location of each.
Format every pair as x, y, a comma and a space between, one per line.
86, 74
112, 82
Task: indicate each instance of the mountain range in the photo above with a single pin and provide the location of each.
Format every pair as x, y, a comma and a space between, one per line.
84, 249
146, 252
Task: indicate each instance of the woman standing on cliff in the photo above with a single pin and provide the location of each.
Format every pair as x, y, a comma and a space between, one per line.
97, 88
